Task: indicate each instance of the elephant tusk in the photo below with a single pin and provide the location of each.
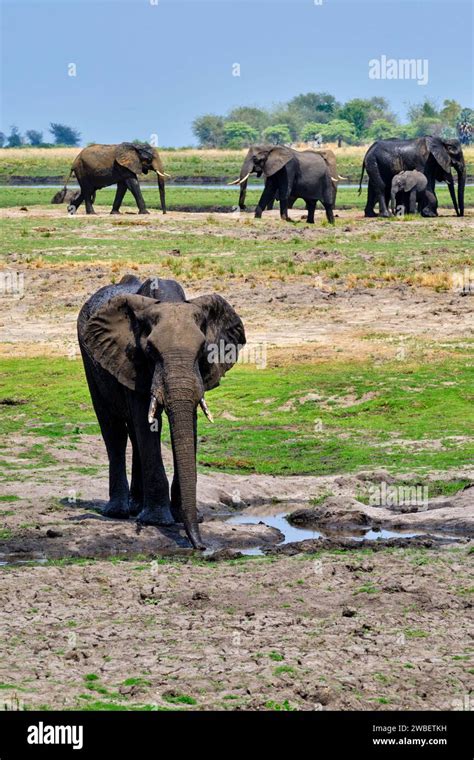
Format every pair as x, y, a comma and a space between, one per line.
334, 180
239, 181
152, 410
205, 409
339, 177
165, 174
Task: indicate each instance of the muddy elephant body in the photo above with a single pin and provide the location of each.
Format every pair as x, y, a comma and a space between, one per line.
99, 166
291, 174
409, 190
433, 156
147, 350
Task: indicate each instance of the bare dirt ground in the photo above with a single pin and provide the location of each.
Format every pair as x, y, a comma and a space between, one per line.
298, 317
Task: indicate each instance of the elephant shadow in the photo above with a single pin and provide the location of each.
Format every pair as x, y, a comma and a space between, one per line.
92, 509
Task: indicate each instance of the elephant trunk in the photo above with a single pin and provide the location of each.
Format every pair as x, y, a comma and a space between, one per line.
452, 193
182, 420
161, 174
161, 186
461, 171
243, 192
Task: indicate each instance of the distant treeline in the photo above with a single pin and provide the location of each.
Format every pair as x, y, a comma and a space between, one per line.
311, 117
317, 116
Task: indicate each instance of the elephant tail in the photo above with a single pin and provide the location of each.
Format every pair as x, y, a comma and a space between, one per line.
361, 177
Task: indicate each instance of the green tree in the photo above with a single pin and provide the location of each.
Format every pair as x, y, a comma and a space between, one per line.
255, 117
425, 125
277, 134
381, 129
209, 130
450, 112
34, 137
319, 107
312, 130
356, 111
238, 134
282, 115
64, 135
427, 109
14, 139
340, 130
3, 139
465, 126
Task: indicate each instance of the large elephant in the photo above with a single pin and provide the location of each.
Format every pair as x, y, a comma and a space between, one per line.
431, 155
99, 166
146, 349
290, 174
409, 187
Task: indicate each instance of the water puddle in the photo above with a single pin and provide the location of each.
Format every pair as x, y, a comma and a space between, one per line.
26, 558
293, 533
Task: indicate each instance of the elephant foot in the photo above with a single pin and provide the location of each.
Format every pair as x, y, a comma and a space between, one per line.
428, 213
117, 509
156, 516
369, 214
144, 211
258, 213
115, 211
135, 506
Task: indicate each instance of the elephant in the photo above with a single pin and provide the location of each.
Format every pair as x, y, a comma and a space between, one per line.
99, 166
291, 174
67, 196
431, 155
411, 186
147, 349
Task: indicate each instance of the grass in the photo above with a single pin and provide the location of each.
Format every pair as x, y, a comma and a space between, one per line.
179, 198
371, 434
351, 254
180, 163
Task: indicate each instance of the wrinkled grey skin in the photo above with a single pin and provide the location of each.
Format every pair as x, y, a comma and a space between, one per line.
67, 196
433, 156
141, 341
99, 166
290, 174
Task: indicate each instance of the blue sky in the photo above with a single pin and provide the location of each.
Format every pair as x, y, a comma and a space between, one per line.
145, 68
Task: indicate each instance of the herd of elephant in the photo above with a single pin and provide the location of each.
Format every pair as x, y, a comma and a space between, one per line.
148, 350
402, 176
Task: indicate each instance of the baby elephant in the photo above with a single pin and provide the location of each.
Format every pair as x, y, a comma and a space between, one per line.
414, 184
65, 196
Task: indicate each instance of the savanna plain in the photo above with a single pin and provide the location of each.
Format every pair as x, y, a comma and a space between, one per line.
357, 378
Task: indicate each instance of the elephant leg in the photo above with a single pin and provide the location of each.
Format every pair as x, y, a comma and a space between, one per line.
136, 485
266, 197
114, 433
121, 190
134, 187
311, 206
283, 192
270, 205
329, 212
156, 500
369, 206
88, 194
412, 202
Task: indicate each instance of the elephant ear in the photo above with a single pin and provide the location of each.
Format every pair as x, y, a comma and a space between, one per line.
127, 156
410, 180
330, 160
440, 153
225, 336
277, 159
112, 337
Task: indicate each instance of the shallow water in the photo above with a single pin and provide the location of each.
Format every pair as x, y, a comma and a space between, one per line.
293, 533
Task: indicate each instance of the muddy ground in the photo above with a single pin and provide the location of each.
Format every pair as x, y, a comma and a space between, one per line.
136, 619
